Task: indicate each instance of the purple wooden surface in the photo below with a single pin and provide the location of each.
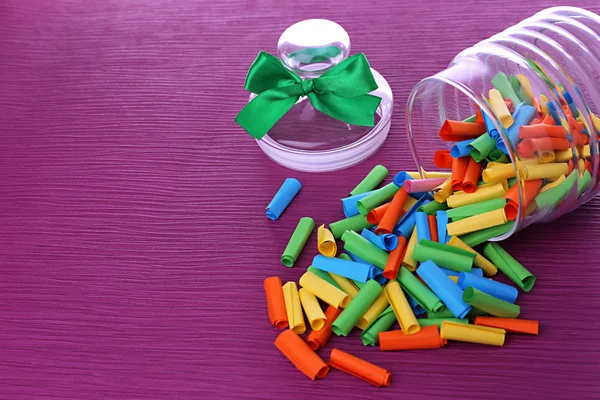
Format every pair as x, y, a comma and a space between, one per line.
133, 242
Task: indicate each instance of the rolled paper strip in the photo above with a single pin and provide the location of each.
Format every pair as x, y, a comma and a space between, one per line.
452, 273
522, 116
349, 204
490, 304
584, 183
481, 147
422, 226
509, 266
542, 131
415, 288
444, 255
356, 223
510, 324
297, 241
552, 184
526, 85
318, 339
479, 116
476, 208
346, 257
498, 155
433, 227
284, 196
401, 177
491, 128
407, 223
427, 338
387, 242
496, 289
408, 261
423, 185
459, 169
474, 238
472, 175
348, 269
364, 249
461, 149
395, 258
312, 309
551, 198
433, 207
402, 309
472, 118
301, 355
511, 182
370, 182
552, 111
435, 174
293, 308
501, 82
543, 105
374, 311
442, 222
345, 284
529, 189
443, 159
563, 156
356, 309
324, 275
444, 288
514, 81
472, 333
482, 193
549, 170
393, 213
488, 268
443, 191
477, 222
438, 321
455, 131
323, 290
446, 313
376, 198
498, 173
276, 302
383, 323
326, 242
359, 368
375, 215
499, 108
528, 147
414, 304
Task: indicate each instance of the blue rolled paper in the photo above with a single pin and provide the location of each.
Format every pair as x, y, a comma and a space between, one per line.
489, 125
401, 177
493, 288
349, 269
571, 104
474, 271
283, 198
387, 241
554, 113
441, 218
461, 149
407, 223
523, 115
349, 204
422, 226
414, 304
444, 288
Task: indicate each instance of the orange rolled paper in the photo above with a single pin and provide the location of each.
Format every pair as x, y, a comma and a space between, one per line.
456, 131
579, 138
459, 169
510, 324
433, 228
393, 213
542, 131
548, 120
359, 368
538, 107
472, 175
531, 188
393, 263
479, 117
275, 302
442, 159
302, 356
428, 338
376, 214
318, 339
528, 146
574, 124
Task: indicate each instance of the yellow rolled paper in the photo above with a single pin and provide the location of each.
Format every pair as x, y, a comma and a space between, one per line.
544, 103
453, 278
477, 222
500, 109
408, 261
552, 184
443, 191
402, 310
345, 284
324, 290
410, 201
498, 173
543, 171
326, 242
581, 166
472, 333
436, 175
482, 193
378, 306
586, 153
312, 309
489, 269
564, 155
546, 157
293, 307
526, 85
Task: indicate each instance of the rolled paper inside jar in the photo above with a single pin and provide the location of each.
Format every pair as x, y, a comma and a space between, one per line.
442, 159
438, 321
509, 266
348, 269
503, 85
301, 355
428, 338
433, 228
408, 261
472, 333
476, 208
482, 147
584, 183
275, 302
375, 215
373, 312
356, 223
395, 258
472, 175
542, 131
284, 196
509, 324
359, 368
551, 198
402, 309
522, 116
422, 185
323, 290
442, 222
370, 182
364, 249
383, 323
415, 288
490, 304
461, 149
444, 255
387, 242
459, 169
326, 242
356, 309
526, 85
477, 222
549, 170
349, 204
488, 268
393, 213
552, 184
529, 190
498, 173
493, 288
294, 309
456, 131
315, 315
528, 147
491, 130
482, 193
499, 108
444, 288
318, 338
376, 198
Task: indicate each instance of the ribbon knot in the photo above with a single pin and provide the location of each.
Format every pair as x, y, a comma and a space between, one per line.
342, 93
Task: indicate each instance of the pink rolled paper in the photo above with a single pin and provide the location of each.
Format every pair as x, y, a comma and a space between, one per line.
422, 185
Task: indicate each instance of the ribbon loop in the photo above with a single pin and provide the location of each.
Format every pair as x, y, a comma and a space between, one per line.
307, 86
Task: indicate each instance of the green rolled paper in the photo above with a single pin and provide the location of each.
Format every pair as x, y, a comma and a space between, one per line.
356, 223
362, 248
478, 237
511, 182
501, 82
498, 155
344, 323
482, 147
417, 290
509, 266
297, 241
376, 198
476, 208
373, 178
444, 255
516, 85
323, 275
346, 257
438, 321
551, 198
490, 304
472, 118
433, 207
383, 323
446, 313
584, 182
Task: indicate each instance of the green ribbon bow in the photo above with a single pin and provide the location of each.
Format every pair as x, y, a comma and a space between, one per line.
341, 93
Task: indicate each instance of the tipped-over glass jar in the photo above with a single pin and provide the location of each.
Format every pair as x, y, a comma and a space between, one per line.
536, 87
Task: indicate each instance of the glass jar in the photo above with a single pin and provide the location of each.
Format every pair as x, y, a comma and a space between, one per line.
558, 52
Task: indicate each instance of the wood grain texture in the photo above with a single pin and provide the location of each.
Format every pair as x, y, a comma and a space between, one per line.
133, 241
